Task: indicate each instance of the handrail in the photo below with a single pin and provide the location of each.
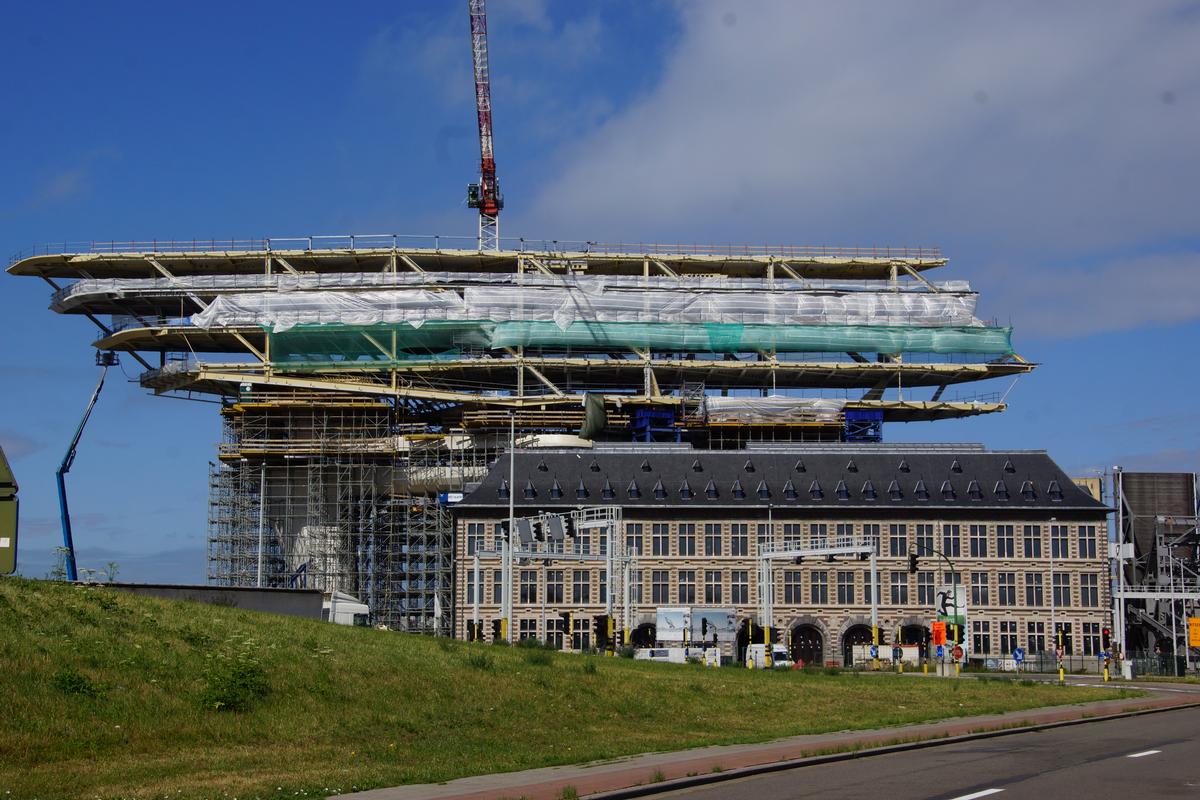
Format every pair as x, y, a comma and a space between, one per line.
438, 243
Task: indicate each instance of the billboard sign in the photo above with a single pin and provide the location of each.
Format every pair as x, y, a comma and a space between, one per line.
950, 602
710, 622
671, 622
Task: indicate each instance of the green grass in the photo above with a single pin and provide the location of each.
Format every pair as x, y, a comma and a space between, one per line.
111, 695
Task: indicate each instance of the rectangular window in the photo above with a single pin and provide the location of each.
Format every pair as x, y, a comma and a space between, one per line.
925, 588
765, 536
633, 538
687, 539
739, 587
899, 588
603, 596
871, 534
845, 588
583, 544
712, 538
1062, 589
739, 539
951, 540
818, 534
554, 586
529, 582
581, 638
791, 587
1008, 636
556, 632
474, 537
472, 577
1036, 637
1034, 598
867, 587
1087, 541
845, 532
979, 542
1006, 588
581, 586
924, 541
635, 586
898, 540
1060, 545
1091, 639
981, 636
819, 588
660, 542
687, 587
603, 537
497, 586
528, 629
660, 585
712, 586
1063, 637
979, 589
951, 578
1005, 542
1089, 590
1033, 541
791, 535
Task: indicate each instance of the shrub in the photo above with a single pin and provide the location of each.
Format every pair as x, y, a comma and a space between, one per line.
233, 682
481, 661
538, 657
68, 680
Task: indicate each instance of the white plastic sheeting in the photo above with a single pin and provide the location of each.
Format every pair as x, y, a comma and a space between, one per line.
280, 311
771, 409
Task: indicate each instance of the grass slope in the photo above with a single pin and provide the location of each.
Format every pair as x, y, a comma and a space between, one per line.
112, 695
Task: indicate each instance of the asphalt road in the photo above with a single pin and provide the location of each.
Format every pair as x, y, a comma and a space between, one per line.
1154, 755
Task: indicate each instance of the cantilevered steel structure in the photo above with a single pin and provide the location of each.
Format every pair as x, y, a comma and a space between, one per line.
362, 378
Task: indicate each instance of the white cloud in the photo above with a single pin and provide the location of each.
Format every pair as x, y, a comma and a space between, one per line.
1027, 127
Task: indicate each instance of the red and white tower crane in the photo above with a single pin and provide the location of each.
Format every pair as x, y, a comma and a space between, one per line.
484, 195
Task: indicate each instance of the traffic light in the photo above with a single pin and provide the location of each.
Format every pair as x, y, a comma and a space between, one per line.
600, 631
956, 633
502, 529
704, 626
776, 634
1105, 639
912, 563
496, 634
474, 630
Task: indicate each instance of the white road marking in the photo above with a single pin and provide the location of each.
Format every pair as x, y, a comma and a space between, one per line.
1143, 753
973, 795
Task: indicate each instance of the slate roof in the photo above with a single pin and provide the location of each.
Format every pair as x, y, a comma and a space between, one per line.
971, 479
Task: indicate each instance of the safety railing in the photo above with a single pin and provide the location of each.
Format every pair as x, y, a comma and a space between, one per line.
359, 242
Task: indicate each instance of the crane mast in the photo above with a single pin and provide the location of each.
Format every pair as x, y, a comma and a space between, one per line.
484, 195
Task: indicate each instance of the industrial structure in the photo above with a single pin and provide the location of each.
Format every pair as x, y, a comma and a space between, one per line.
366, 381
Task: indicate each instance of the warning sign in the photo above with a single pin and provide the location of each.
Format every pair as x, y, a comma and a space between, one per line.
1193, 631
939, 632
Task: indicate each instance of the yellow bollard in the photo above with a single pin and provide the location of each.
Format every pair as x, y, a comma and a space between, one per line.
925, 667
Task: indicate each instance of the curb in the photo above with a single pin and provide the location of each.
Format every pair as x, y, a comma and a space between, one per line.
692, 781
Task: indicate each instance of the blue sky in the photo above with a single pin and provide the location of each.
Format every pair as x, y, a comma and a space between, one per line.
1049, 149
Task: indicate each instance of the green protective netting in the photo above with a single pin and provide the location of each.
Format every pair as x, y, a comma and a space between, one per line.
384, 345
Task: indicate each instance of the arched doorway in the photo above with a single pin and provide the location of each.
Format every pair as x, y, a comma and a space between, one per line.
854, 635
644, 635
808, 645
918, 635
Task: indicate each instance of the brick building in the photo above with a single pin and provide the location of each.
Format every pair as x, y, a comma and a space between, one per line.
1027, 543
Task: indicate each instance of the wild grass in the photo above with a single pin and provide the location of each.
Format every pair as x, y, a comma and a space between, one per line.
112, 695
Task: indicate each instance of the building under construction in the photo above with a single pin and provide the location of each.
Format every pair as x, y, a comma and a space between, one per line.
365, 382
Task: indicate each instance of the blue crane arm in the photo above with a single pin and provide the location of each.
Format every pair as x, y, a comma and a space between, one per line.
63, 469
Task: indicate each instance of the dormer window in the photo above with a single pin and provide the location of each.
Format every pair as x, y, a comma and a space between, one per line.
710, 491
842, 492
645, 466
955, 466
789, 491
748, 466
633, 491
696, 466
814, 490
948, 491
502, 492
1027, 491
659, 492
868, 491
763, 491
606, 491
1055, 491
738, 491
973, 490
529, 492
541, 467
851, 466
920, 492
594, 466
894, 491
1001, 490
555, 490
800, 466
685, 491
1008, 467
581, 491
903, 465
